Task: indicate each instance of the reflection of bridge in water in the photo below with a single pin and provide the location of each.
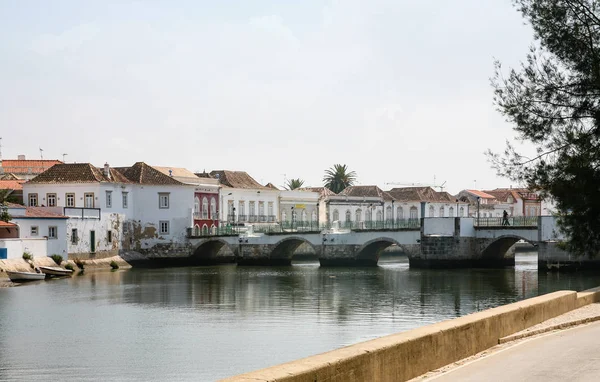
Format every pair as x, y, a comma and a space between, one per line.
435, 243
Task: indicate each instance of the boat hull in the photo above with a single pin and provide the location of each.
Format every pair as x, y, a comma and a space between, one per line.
55, 271
24, 276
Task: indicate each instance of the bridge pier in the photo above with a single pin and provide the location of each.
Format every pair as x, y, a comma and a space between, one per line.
551, 257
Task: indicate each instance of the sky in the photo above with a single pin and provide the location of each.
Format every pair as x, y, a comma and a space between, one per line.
399, 90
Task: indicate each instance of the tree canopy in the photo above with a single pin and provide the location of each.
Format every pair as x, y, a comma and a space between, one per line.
553, 102
338, 178
293, 184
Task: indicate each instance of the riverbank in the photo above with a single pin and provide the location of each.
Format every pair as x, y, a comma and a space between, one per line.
407, 355
21, 265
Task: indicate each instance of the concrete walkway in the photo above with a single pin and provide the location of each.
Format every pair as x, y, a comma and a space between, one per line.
564, 355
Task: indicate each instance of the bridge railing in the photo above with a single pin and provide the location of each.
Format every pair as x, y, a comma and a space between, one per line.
512, 221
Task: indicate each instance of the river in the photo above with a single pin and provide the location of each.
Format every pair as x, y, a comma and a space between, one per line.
205, 323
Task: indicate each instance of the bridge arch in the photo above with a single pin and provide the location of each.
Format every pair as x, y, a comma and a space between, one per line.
368, 253
212, 251
496, 250
284, 249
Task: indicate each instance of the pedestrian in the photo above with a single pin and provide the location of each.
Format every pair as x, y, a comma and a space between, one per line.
505, 218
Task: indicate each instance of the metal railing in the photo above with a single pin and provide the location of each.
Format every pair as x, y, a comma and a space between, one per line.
82, 213
513, 221
242, 218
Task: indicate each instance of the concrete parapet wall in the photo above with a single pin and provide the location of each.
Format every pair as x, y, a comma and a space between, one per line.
587, 297
406, 355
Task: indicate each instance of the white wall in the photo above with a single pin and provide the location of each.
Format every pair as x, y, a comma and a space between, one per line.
56, 246
549, 229
16, 247
296, 199
247, 195
438, 226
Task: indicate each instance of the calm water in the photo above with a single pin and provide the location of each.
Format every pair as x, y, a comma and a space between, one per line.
209, 322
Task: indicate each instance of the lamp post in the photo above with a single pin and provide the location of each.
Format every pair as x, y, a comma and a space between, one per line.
393, 220
223, 208
457, 208
292, 228
478, 200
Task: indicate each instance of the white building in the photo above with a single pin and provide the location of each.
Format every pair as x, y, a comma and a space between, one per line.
298, 207
359, 207
244, 200
110, 210
418, 202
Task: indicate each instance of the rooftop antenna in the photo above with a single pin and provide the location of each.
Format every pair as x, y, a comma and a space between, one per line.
41, 153
64, 155
0, 149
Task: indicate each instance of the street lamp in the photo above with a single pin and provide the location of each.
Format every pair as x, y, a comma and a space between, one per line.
478, 200
292, 228
222, 207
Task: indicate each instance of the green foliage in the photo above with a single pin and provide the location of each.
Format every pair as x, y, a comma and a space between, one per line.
553, 102
338, 178
69, 266
27, 256
114, 265
4, 215
293, 184
57, 259
80, 263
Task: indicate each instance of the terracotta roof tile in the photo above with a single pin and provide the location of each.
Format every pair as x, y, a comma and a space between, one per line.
41, 212
77, 173
28, 166
481, 194
271, 186
7, 225
366, 191
8, 176
420, 194
237, 179
11, 184
323, 191
14, 205
141, 173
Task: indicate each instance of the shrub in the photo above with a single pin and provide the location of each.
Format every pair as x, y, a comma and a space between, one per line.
114, 265
80, 263
69, 266
27, 256
57, 259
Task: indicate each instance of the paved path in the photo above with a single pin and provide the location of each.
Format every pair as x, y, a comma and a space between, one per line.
569, 355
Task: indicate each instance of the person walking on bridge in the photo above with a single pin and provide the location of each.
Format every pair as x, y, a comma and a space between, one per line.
505, 218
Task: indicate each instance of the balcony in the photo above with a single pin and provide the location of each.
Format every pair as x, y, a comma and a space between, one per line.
271, 218
253, 218
242, 218
82, 213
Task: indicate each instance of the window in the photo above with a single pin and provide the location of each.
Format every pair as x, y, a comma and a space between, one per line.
451, 212
34, 230
125, 197
336, 215
399, 213
261, 208
74, 236
368, 215
213, 208
388, 213
242, 210
414, 213
270, 208
196, 206
33, 200
379, 216
108, 199
52, 232
358, 215
304, 216
283, 216
462, 211
230, 210
314, 216
51, 200
348, 216
196, 230
252, 209
205, 230
442, 212
164, 227
109, 236
88, 199
431, 212
204, 208
163, 200
70, 199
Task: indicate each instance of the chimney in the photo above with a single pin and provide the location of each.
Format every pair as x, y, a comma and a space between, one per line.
107, 171
171, 173
21, 157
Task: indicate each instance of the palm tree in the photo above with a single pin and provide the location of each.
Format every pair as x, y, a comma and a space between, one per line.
293, 184
338, 178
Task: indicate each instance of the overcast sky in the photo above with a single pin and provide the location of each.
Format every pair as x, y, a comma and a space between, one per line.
396, 89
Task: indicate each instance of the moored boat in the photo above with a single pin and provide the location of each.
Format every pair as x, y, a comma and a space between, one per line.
24, 276
56, 271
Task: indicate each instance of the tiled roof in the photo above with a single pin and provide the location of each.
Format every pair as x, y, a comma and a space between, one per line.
502, 194
237, 179
203, 174
11, 184
271, 186
41, 212
366, 191
14, 205
481, 194
420, 194
8, 176
323, 191
78, 173
7, 225
27, 166
141, 173
180, 174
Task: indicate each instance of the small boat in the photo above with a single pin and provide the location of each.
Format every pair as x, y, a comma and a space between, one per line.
25, 276
56, 271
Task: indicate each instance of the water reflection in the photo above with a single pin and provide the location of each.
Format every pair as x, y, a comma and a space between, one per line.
208, 322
